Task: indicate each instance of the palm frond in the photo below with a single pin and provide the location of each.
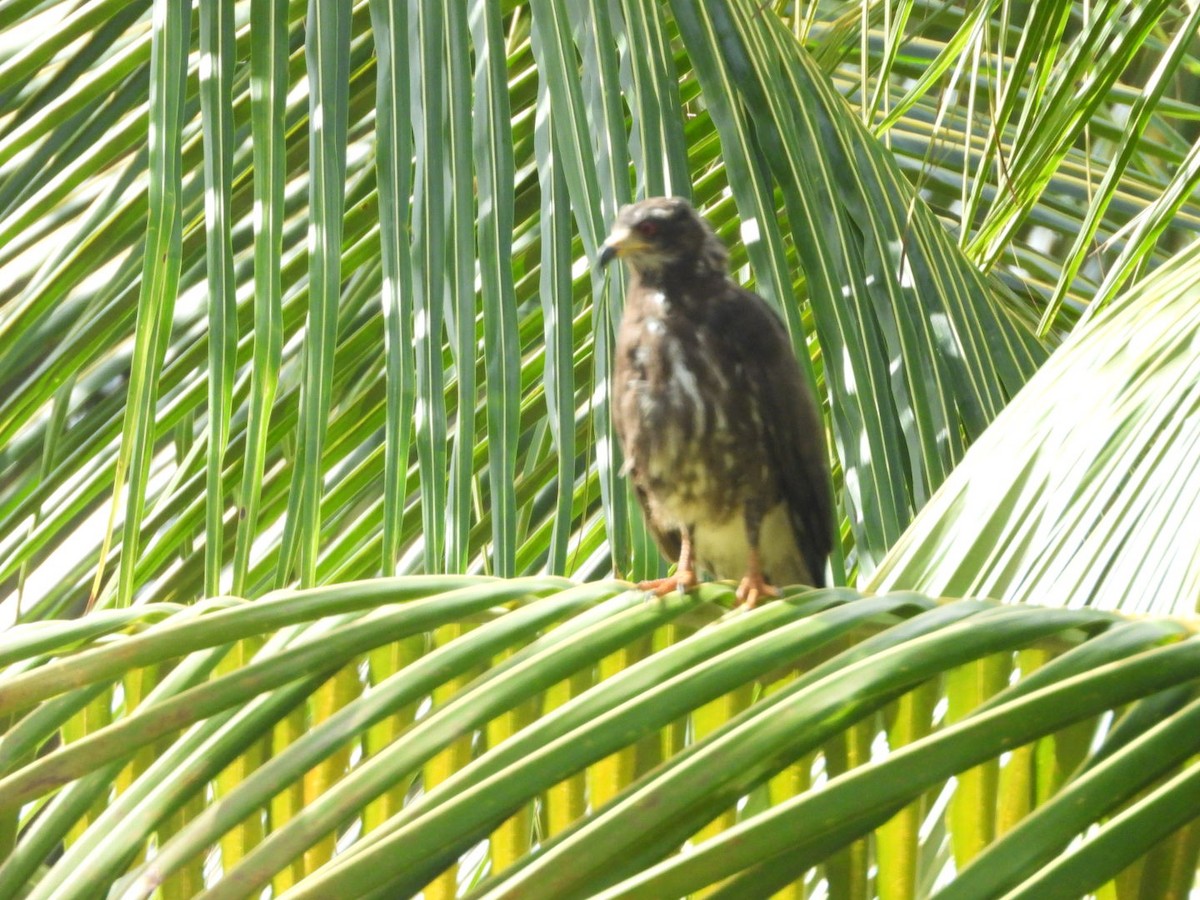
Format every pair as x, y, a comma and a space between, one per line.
312, 310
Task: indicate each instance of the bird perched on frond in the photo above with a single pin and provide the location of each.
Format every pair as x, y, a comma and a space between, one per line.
722, 437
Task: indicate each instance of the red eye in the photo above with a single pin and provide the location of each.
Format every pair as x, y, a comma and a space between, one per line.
647, 228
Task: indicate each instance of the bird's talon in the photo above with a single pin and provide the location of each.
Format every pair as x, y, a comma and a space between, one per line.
752, 589
660, 587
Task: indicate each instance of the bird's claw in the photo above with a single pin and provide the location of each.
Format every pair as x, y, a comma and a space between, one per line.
681, 581
753, 588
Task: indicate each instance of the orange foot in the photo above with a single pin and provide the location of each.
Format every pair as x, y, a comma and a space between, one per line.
682, 581
753, 588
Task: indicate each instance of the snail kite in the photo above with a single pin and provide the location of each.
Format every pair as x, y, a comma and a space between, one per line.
721, 435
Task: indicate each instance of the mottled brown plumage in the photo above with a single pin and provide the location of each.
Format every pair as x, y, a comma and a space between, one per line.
722, 438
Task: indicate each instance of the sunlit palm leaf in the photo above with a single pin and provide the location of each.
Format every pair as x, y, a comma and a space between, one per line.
1082, 488
406, 226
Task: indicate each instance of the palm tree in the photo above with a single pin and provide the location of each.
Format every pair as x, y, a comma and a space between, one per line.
311, 521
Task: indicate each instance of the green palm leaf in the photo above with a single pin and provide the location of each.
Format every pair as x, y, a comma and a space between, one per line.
312, 311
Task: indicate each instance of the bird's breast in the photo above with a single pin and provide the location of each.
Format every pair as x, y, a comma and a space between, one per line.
674, 406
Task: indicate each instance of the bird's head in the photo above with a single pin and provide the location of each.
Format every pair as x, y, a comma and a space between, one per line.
664, 234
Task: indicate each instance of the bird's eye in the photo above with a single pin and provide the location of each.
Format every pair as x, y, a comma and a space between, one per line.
647, 228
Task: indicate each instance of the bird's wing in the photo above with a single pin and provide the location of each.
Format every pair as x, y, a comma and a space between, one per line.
794, 431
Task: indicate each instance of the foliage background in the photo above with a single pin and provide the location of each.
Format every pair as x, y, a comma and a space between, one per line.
296, 296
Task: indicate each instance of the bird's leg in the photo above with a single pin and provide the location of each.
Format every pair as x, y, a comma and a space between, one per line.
753, 586
685, 571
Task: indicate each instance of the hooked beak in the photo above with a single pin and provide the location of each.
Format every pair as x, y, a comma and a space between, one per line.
620, 242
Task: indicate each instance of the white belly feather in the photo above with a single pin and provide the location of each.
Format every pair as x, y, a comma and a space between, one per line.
722, 549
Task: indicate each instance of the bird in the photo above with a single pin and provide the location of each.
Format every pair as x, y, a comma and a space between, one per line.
722, 437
